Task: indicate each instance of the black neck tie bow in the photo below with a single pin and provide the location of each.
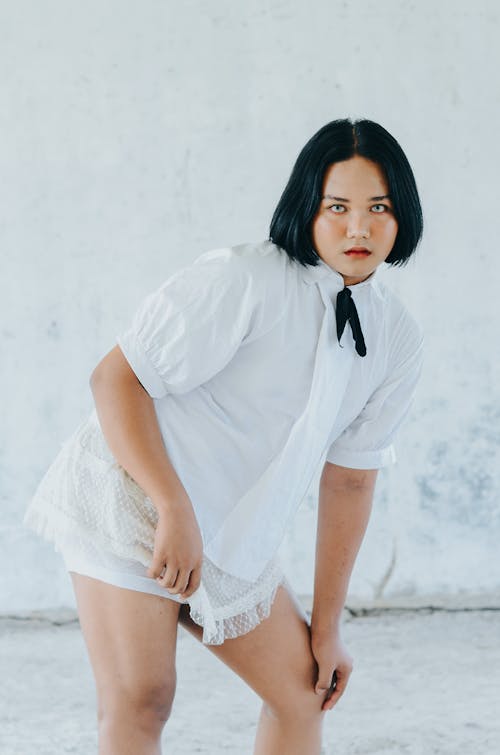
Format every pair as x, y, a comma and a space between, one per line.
346, 310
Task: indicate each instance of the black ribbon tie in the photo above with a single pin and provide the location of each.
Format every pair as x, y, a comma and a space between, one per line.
346, 311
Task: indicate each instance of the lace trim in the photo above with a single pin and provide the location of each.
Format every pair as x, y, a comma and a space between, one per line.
234, 626
220, 620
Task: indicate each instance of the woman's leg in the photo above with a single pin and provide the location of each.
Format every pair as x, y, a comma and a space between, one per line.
131, 641
275, 659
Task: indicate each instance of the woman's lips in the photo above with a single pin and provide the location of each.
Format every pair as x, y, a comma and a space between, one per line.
358, 254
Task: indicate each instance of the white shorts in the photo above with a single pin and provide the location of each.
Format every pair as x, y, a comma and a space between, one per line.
103, 524
224, 605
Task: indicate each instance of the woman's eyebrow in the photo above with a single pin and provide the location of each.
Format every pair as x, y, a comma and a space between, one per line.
342, 199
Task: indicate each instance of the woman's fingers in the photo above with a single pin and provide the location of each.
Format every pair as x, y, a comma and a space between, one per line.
180, 582
193, 583
342, 679
156, 568
169, 578
183, 582
177, 581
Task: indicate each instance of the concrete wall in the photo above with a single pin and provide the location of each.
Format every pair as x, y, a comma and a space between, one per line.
135, 136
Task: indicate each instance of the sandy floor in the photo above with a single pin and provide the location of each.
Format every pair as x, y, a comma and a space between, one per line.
425, 682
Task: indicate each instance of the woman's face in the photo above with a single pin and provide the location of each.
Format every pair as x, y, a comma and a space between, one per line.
354, 211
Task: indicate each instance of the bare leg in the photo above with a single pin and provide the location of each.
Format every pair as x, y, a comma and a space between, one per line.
275, 659
131, 641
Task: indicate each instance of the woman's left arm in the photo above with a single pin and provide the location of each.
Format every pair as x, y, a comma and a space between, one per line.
345, 500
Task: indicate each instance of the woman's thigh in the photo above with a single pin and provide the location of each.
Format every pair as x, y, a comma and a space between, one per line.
131, 641
274, 658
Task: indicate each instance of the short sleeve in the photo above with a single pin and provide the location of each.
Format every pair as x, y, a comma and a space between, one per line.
191, 326
368, 442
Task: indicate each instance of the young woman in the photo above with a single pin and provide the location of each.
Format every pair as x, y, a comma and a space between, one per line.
238, 379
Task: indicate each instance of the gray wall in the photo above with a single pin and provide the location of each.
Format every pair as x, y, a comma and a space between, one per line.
135, 136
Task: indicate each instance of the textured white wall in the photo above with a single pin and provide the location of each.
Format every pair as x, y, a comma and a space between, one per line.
135, 136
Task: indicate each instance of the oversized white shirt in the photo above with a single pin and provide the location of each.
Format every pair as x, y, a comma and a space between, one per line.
253, 392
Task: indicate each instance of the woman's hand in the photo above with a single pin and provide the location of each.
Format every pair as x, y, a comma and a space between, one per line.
178, 545
331, 655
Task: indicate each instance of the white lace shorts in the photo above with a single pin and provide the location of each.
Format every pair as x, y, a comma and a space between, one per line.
224, 605
103, 524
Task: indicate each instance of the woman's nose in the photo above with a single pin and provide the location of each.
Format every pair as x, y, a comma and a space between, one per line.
358, 225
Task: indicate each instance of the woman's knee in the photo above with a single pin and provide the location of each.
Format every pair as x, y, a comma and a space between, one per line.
147, 705
302, 709
131, 639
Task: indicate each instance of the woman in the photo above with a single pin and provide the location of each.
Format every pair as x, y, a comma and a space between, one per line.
240, 378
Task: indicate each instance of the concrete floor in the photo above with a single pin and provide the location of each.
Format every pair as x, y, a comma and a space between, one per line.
424, 682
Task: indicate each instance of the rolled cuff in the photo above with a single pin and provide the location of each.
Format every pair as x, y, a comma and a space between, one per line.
141, 364
363, 459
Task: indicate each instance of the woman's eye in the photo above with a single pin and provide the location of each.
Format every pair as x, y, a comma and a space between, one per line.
379, 208
337, 208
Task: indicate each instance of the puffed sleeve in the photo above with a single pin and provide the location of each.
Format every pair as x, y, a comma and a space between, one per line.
368, 442
191, 326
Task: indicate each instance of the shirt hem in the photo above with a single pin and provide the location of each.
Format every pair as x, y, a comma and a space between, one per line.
141, 365
363, 460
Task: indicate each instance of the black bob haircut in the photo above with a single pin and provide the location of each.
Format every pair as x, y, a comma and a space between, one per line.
335, 142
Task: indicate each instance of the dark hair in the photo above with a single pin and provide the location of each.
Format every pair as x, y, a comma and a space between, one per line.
337, 141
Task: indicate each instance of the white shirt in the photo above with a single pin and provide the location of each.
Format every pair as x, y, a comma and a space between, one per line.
253, 392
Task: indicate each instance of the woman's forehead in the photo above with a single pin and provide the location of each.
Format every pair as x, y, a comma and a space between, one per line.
358, 176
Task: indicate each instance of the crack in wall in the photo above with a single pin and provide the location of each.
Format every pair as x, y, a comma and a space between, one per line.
382, 584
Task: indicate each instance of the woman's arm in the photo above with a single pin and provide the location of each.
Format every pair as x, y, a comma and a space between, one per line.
129, 424
345, 500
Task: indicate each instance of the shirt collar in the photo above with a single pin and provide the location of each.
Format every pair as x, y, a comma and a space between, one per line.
325, 273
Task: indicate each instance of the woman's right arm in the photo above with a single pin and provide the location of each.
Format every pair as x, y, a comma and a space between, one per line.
128, 420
